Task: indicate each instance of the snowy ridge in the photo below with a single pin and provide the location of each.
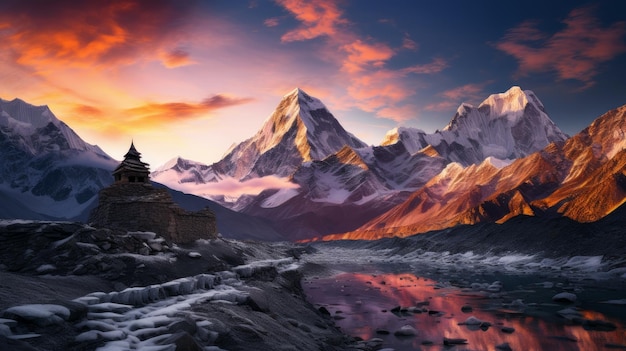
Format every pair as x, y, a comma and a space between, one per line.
26, 120
505, 126
59, 174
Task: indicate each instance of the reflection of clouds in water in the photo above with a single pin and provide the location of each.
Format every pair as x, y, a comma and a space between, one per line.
366, 301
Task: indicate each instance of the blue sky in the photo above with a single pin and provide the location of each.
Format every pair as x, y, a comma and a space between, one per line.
191, 78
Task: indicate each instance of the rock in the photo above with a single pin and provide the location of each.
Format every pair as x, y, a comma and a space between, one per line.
504, 347
5, 330
77, 309
466, 309
495, 287
324, 311
406, 330
183, 342
471, 321
304, 327
155, 246
474, 323
7, 344
187, 325
598, 325
454, 341
258, 301
143, 236
40, 314
144, 251
8, 322
508, 330
564, 297
247, 333
194, 254
607, 345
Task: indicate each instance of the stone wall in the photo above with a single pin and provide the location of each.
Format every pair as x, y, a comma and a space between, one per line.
141, 207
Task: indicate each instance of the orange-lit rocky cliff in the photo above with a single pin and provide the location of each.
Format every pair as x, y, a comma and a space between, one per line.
583, 178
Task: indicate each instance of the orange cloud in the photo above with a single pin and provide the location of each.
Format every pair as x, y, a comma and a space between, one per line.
176, 58
575, 52
158, 113
43, 35
361, 54
112, 121
87, 110
318, 18
372, 86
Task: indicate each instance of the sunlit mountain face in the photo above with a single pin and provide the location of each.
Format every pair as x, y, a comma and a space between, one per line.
581, 178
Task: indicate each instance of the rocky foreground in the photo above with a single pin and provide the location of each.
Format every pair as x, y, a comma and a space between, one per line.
68, 286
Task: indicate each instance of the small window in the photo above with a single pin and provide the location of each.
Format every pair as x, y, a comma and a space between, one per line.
140, 179
131, 179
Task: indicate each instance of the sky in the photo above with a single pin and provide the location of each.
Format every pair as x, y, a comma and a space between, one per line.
190, 78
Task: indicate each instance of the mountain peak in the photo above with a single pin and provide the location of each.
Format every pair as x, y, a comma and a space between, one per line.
295, 92
512, 103
509, 125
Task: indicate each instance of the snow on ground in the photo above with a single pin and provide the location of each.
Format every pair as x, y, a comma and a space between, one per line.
583, 267
142, 318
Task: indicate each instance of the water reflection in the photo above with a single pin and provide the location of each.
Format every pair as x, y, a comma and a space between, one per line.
365, 305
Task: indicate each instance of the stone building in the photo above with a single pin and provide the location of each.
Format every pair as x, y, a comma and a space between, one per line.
131, 203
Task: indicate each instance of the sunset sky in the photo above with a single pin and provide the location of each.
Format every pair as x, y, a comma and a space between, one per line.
190, 78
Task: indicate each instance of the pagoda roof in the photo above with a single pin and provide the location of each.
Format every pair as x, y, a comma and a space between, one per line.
132, 162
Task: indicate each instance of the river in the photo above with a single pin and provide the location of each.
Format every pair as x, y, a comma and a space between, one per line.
468, 306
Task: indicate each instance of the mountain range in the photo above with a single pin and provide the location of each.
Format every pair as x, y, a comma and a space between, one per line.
48, 172
348, 184
493, 162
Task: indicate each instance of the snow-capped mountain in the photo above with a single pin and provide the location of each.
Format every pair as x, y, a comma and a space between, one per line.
508, 125
583, 178
48, 172
332, 181
45, 167
300, 129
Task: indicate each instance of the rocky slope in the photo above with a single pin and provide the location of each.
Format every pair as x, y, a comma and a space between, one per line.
582, 178
114, 289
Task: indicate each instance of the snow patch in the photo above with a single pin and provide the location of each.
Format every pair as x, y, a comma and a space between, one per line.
280, 197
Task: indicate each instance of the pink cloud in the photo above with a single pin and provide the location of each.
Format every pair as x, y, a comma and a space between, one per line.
455, 96
176, 58
575, 52
441, 106
362, 62
360, 54
232, 187
399, 113
318, 18
271, 22
438, 65
408, 43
